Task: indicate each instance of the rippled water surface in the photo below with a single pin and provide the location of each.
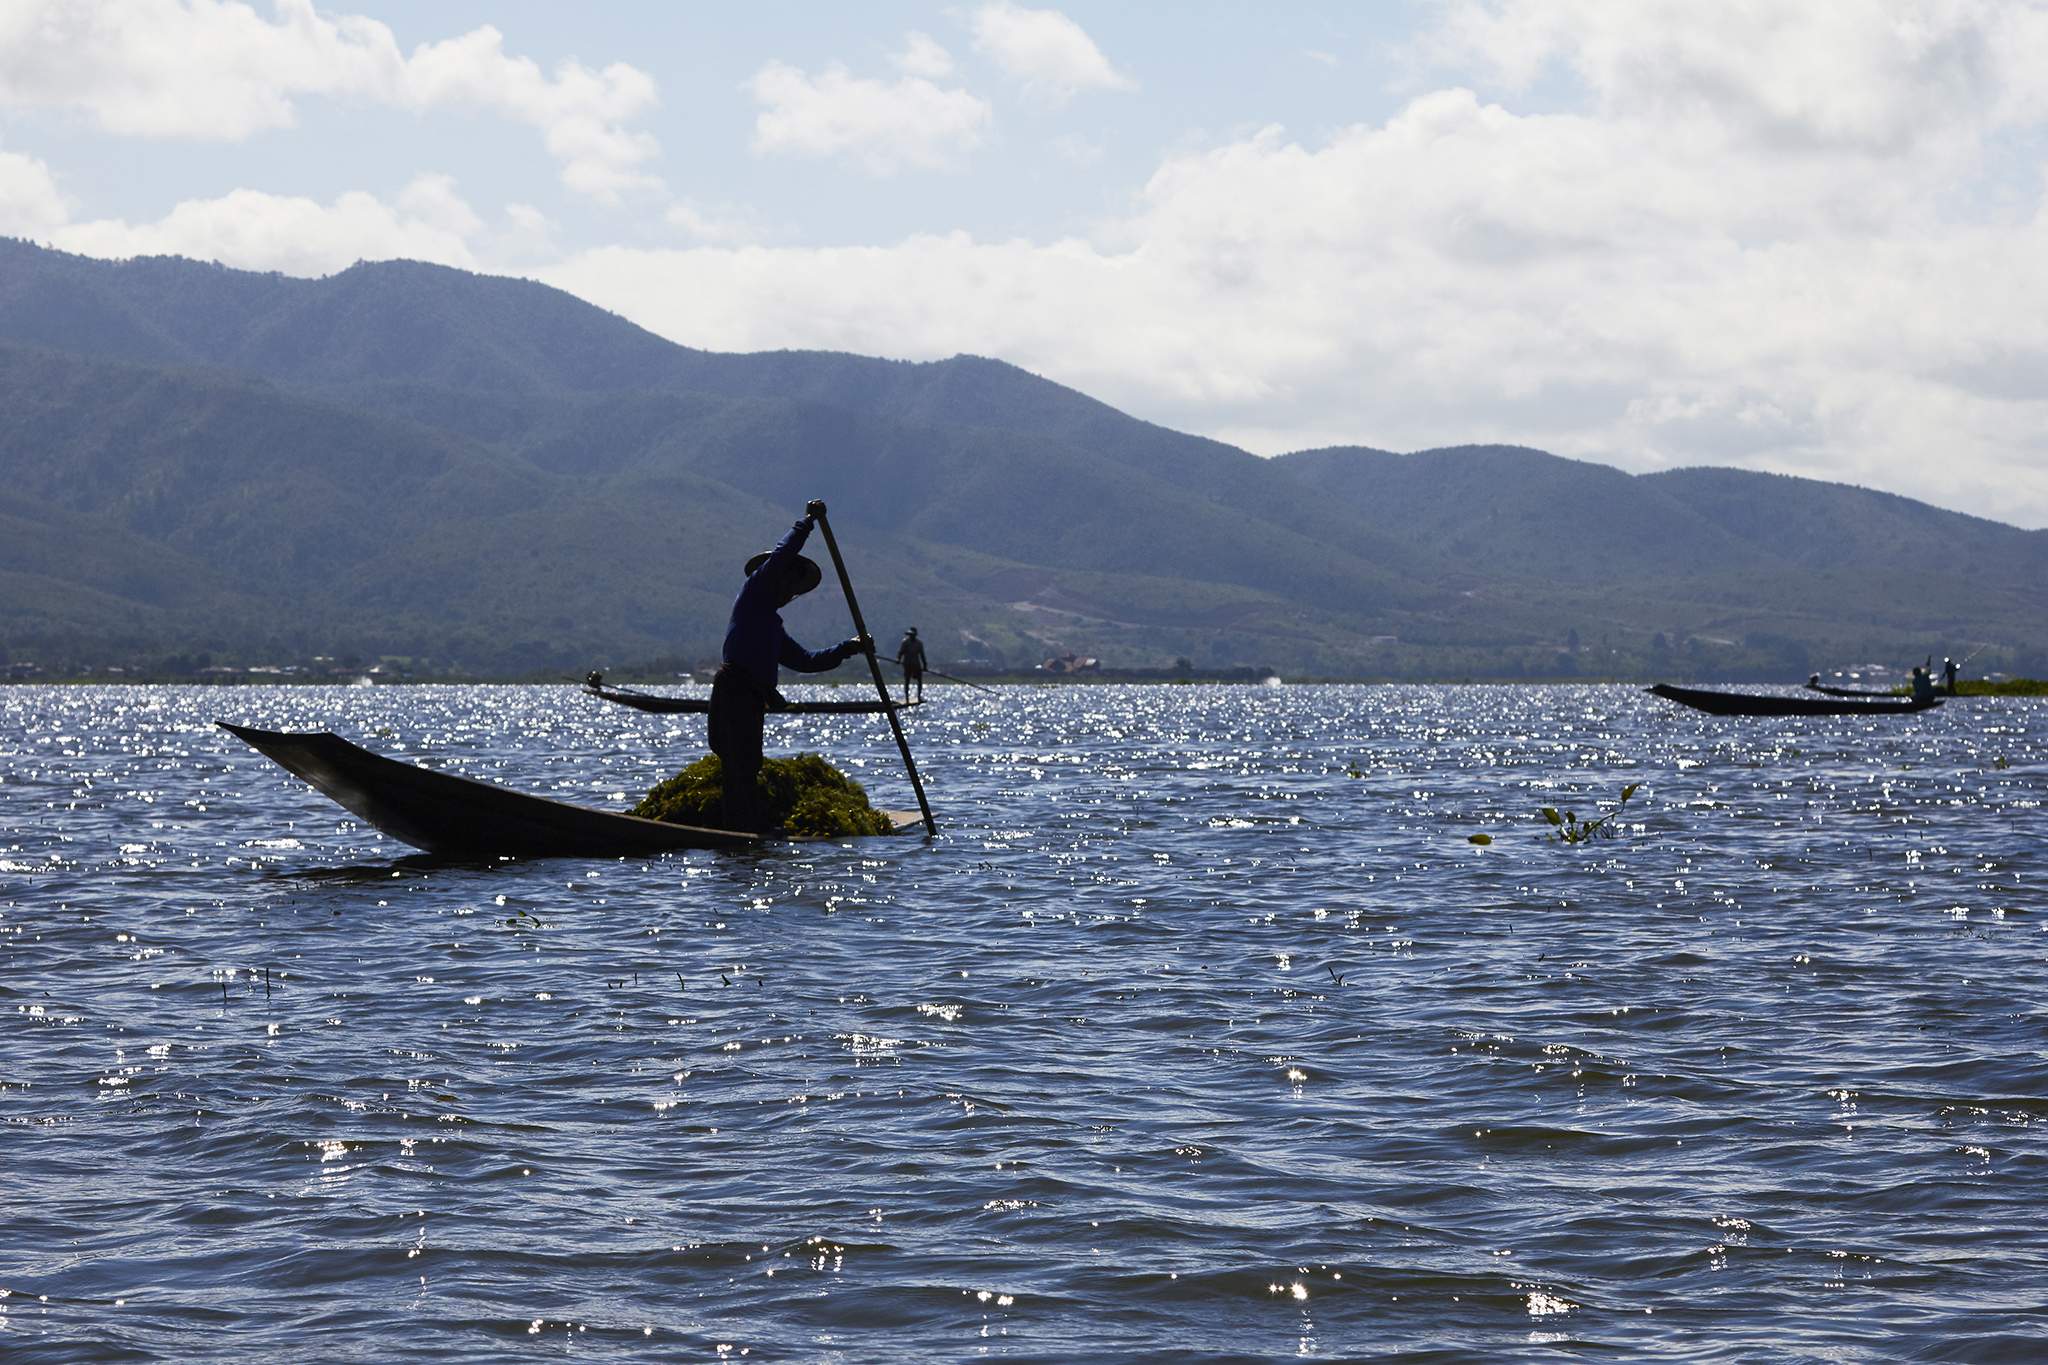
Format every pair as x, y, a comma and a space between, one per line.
1202, 1031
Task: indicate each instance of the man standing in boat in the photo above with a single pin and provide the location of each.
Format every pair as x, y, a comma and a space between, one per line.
755, 645
910, 654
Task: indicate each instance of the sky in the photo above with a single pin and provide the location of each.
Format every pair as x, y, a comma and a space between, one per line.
1800, 237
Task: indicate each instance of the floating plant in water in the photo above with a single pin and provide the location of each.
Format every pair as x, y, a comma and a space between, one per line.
1570, 829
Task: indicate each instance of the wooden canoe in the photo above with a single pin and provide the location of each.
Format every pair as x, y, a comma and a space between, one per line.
1827, 691
669, 706
1765, 704
459, 817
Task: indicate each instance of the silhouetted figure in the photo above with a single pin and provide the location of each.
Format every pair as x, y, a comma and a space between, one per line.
1923, 683
755, 644
1950, 670
910, 654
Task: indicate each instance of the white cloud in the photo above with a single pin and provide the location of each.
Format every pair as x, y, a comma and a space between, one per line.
583, 115
1873, 76
431, 200
922, 56
1045, 49
1811, 284
883, 127
217, 70
30, 202
528, 235
298, 236
717, 227
168, 68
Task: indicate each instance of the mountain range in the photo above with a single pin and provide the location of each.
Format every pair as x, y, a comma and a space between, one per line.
487, 475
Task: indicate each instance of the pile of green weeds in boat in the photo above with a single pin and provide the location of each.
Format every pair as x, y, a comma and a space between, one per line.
804, 795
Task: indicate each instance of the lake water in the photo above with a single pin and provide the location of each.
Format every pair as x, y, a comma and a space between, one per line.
1201, 1031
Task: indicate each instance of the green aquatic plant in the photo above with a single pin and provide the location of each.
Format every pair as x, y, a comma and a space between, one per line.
1570, 829
804, 795
2008, 687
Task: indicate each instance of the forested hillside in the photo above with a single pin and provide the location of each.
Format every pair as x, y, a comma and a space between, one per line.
489, 476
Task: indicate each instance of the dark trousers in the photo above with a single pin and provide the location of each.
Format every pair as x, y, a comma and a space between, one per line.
913, 675
737, 711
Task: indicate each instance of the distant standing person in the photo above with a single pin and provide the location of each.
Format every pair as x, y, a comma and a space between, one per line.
755, 644
910, 654
1950, 669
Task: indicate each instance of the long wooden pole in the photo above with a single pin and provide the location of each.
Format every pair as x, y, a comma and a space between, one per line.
860, 627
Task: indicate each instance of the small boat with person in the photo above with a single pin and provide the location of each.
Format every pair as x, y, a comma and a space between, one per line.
459, 817
454, 816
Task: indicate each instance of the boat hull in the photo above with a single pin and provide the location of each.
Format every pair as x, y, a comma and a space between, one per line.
1760, 704
460, 817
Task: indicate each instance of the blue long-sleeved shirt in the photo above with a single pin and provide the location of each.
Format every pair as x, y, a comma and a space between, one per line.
755, 639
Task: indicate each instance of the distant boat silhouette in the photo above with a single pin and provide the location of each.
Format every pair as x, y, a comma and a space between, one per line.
1767, 704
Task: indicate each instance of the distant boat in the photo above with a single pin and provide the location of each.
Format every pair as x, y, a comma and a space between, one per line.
1767, 704
1825, 690
672, 706
1815, 684
459, 817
